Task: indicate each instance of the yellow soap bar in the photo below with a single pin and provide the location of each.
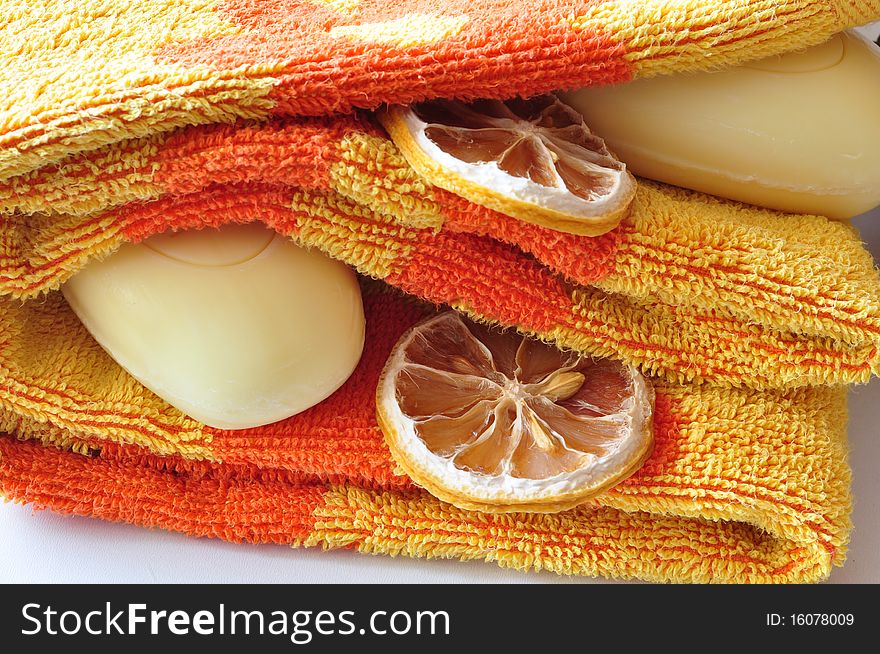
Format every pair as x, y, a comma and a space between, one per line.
798, 133
236, 327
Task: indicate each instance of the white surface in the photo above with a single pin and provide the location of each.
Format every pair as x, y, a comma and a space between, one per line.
44, 547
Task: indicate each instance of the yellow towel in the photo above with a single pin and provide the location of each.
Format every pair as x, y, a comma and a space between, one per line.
749, 320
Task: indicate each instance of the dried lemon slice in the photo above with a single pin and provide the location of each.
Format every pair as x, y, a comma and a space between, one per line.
491, 421
534, 160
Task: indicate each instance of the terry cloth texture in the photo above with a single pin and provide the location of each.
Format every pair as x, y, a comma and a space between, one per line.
78, 74
689, 287
749, 320
743, 485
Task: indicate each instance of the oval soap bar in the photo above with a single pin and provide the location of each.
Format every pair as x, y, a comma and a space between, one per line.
236, 327
798, 133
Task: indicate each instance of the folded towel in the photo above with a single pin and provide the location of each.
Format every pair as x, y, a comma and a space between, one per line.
690, 287
78, 74
743, 485
747, 319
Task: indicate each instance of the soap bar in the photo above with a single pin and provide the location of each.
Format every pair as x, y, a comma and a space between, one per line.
236, 327
798, 133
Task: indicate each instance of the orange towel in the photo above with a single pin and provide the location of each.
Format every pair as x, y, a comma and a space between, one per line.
743, 485
746, 318
689, 286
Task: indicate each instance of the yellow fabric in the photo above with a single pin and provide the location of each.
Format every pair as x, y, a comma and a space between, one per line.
119, 120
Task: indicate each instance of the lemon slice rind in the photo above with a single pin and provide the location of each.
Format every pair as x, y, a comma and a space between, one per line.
503, 493
486, 184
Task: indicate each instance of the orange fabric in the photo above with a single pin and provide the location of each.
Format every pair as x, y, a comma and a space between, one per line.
192, 497
279, 483
119, 121
500, 50
647, 291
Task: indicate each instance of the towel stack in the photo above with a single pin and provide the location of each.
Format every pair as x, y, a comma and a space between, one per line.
126, 119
